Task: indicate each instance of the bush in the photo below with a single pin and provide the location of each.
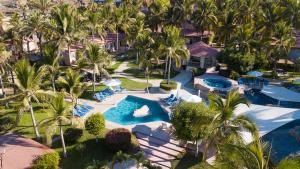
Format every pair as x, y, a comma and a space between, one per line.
164, 85
234, 75
118, 139
95, 124
198, 71
6, 123
71, 135
47, 161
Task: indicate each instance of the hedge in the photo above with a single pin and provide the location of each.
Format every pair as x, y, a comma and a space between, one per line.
47, 161
164, 85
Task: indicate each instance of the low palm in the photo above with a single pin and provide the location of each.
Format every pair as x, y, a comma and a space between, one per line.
60, 109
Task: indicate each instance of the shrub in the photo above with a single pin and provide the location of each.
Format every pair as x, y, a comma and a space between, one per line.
234, 75
47, 161
164, 85
71, 135
198, 71
6, 123
118, 139
95, 124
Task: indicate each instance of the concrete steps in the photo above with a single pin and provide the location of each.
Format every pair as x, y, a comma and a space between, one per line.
160, 152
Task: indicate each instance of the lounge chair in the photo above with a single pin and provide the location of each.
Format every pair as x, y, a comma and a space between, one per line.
172, 101
77, 113
168, 98
99, 97
119, 89
87, 106
81, 109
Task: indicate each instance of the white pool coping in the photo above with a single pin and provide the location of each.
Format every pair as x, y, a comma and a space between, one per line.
200, 80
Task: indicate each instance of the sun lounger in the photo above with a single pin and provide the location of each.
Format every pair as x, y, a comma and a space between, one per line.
119, 89
81, 109
77, 113
87, 106
172, 101
168, 98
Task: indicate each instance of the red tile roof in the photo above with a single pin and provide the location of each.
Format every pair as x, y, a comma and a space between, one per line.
201, 49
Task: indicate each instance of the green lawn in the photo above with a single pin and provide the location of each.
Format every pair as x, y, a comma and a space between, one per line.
113, 67
134, 71
126, 83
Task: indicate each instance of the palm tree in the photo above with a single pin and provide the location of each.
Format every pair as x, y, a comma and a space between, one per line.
227, 23
43, 6
65, 25
4, 63
139, 158
173, 48
51, 62
71, 84
35, 25
28, 82
225, 128
97, 59
60, 109
95, 24
204, 18
120, 158
147, 48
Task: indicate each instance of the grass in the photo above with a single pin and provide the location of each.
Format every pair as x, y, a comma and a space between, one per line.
114, 67
134, 71
126, 83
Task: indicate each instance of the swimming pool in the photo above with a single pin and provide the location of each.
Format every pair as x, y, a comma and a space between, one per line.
283, 142
123, 112
217, 83
256, 97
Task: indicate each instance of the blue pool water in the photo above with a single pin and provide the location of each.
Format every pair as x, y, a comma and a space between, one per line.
123, 112
283, 143
256, 97
217, 83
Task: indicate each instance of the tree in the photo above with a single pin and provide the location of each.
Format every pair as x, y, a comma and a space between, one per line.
120, 158
173, 47
51, 61
28, 82
139, 158
60, 109
225, 128
95, 24
72, 84
95, 125
35, 25
191, 120
97, 59
4, 63
43, 6
65, 25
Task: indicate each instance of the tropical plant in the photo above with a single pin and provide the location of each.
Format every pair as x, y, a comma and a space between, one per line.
72, 84
60, 109
120, 158
97, 59
48, 160
51, 61
43, 6
4, 64
28, 82
95, 24
173, 48
95, 124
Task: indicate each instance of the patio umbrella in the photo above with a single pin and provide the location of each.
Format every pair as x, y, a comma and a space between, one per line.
255, 73
112, 82
192, 98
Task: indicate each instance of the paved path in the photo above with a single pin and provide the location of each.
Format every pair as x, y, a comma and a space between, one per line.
19, 151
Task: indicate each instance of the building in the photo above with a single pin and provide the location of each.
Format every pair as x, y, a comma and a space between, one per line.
202, 55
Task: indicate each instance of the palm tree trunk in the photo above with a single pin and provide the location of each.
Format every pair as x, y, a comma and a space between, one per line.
28, 45
40, 45
169, 72
34, 122
94, 81
166, 67
147, 75
53, 82
63, 141
13, 80
137, 58
117, 47
69, 52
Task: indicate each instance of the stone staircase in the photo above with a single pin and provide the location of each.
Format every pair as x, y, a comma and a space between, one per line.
159, 151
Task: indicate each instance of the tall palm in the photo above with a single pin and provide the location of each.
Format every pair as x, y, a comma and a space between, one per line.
173, 48
4, 64
51, 61
65, 24
60, 109
28, 82
71, 84
95, 24
227, 23
147, 47
97, 59
225, 127
204, 18
35, 25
